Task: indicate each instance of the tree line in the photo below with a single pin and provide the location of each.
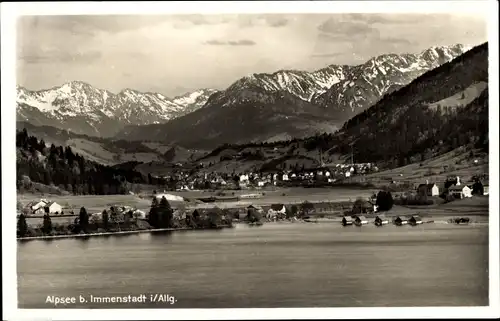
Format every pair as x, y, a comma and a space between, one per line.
60, 166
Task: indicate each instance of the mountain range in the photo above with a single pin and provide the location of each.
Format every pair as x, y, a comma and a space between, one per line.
286, 104
258, 107
442, 112
84, 109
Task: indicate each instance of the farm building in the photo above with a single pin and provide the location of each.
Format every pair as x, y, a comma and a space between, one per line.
53, 207
401, 220
360, 220
415, 220
347, 220
381, 220
39, 211
276, 209
34, 206
460, 191
428, 189
362, 207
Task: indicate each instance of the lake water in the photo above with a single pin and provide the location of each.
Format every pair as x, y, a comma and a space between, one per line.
274, 265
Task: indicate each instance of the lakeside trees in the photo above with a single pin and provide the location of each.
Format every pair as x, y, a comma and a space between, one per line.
83, 220
22, 226
47, 224
384, 201
160, 214
105, 220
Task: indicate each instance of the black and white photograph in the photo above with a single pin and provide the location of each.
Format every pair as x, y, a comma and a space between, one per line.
183, 156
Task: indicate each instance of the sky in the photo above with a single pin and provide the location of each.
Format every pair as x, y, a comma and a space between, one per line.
175, 54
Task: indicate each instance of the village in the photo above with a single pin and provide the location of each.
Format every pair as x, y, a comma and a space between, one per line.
187, 179
246, 208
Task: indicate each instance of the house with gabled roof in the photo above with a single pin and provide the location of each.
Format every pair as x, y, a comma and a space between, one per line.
428, 189
53, 207
461, 191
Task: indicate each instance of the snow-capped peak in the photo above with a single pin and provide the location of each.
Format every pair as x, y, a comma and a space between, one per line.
83, 101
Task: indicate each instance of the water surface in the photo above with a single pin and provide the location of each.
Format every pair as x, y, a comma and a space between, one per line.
275, 265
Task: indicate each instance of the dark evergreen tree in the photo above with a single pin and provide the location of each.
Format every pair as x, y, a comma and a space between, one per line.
384, 201
154, 213
166, 213
47, 224
22, 226
83, 219
105, 220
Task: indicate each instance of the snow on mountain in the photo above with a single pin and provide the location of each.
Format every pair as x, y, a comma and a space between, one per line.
293, 103
340, 87
365, 84
79, 101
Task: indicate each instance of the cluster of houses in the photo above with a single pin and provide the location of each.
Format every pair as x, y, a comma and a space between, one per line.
380, 220
212, 180
453, 188
43, 206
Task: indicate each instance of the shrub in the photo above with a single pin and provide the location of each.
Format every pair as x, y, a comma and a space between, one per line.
384, 201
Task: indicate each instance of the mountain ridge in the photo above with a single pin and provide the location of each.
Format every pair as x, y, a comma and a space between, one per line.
350, 93
82, 108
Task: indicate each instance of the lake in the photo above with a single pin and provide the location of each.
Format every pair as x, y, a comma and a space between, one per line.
274, 265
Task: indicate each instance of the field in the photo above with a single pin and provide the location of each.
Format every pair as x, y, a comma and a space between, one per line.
455, 163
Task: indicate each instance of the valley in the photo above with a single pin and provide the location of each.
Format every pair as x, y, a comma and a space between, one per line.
433, 131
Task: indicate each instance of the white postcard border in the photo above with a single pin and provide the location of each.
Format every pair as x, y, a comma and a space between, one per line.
9, 12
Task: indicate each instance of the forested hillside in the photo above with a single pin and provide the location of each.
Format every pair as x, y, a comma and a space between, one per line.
443, 109
59, 166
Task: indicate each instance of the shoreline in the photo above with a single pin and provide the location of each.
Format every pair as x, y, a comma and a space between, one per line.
46, 237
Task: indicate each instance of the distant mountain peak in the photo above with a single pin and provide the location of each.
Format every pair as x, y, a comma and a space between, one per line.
103, 112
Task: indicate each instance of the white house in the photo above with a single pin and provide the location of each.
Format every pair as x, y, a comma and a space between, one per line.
275, 210
429, 189
54, 207
260, 183
243, 178
285, 177
327, 174
347, 174
39, 211
38, 205
460, 191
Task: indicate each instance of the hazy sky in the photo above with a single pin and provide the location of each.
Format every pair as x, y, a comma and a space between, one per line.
176, 54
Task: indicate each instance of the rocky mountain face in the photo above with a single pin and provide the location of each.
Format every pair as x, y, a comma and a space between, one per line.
292, 103
365, 84
83, 109
441, 110
278, 116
